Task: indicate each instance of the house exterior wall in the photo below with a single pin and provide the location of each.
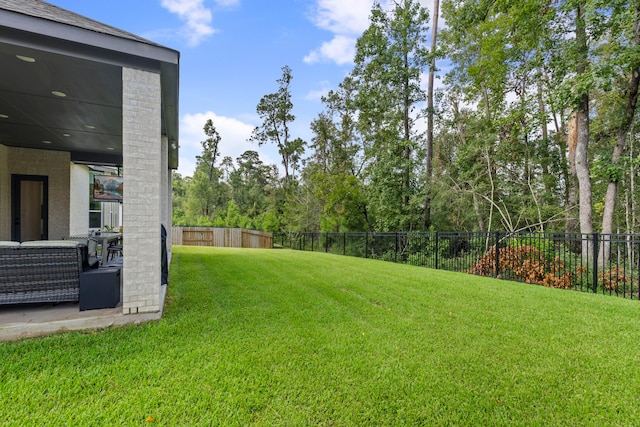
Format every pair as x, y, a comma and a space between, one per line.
142, 205
53, 164
79, 200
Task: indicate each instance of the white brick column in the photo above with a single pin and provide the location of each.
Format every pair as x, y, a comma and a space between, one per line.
142, 201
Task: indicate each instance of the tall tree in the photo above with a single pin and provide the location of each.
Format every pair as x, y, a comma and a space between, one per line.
210, 151
249, 183
179, 187
274, 110
332, 172
390, 57
430, 113
508, 61
204, 193
581, 117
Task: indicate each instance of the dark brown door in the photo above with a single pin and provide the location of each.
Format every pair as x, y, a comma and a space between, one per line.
30, 213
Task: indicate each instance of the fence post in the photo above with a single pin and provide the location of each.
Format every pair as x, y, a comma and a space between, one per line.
326, 241
366, 244
497, 261
395, 255
596, 243
437, 250
344, 243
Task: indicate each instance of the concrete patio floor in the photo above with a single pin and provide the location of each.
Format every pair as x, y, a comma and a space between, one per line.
32, 320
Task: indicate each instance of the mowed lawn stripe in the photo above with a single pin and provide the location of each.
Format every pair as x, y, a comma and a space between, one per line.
280, 337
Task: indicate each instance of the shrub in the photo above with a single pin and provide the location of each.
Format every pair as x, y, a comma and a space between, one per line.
422, 259
614, 279
525, 264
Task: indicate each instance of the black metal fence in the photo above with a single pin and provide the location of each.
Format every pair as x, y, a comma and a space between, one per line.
598, 263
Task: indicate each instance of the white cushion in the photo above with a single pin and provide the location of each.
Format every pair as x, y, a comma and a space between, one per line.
49, 243
8, 244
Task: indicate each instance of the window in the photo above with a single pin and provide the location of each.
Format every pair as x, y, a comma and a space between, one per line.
102, 214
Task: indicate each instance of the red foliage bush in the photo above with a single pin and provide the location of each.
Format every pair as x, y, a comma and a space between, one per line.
524, 264
612, 279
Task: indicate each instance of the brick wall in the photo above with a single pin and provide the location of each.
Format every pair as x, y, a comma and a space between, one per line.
142, 206
26, 161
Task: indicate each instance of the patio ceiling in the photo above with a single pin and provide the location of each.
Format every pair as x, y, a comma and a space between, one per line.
86, 121
61, 82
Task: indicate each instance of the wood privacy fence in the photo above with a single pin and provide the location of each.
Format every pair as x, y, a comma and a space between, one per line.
221, 237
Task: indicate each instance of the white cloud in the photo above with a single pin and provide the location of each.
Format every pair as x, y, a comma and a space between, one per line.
186, 165
341, 50
343, 17
227, 3
346, 20
196, 16
315, 95
233, 133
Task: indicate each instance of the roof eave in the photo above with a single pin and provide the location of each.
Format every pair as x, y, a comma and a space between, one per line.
90, 38
33, 32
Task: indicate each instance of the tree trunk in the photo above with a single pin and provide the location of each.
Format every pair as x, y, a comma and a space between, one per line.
571, 181
544, 161
582, 129
478, 211
430, 110
582, 166
406, 151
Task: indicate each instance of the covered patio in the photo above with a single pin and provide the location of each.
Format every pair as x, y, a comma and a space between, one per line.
27, 321
76, 94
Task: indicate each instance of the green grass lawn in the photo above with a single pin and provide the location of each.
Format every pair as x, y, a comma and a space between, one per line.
279, 337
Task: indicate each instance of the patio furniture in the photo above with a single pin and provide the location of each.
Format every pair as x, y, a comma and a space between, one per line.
100, 288
113, 250
115, 262
92, 249
41, 271
104, 240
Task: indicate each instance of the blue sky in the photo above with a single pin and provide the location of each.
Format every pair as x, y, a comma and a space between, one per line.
232, 52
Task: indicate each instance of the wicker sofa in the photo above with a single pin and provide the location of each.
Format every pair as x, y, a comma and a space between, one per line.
41, 271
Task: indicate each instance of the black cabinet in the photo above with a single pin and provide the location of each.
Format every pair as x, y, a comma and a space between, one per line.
99, 288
